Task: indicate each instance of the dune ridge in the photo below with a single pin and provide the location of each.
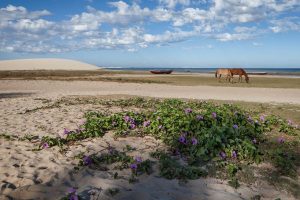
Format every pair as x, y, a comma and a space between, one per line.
45, 64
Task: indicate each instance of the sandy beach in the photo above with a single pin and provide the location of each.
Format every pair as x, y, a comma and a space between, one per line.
150, 100
38, 108
28, 174
60, 88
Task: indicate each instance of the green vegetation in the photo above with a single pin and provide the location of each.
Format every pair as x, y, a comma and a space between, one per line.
214, 139
170, 168
120, 160
203, 139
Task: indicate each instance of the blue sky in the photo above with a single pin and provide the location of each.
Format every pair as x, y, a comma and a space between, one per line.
154, 33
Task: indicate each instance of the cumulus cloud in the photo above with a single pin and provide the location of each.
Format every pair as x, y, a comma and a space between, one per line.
18, 12
285, 24
173, 3
224, 37
168, 37
126, 26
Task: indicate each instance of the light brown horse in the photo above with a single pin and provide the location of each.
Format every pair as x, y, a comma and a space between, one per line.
225, 72
241, 72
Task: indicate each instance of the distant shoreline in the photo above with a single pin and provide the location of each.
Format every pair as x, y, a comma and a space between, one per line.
251, 71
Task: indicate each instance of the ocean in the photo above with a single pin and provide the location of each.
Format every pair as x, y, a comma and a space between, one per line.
273, 71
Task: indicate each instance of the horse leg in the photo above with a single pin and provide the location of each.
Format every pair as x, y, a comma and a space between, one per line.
228, 78
220, 77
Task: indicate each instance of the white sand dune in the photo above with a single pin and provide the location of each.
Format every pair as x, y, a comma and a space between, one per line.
45, 64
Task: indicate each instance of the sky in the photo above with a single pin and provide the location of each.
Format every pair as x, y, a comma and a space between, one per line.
154, 33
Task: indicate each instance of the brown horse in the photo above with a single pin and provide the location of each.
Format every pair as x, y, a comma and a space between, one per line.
241, 72
225, 72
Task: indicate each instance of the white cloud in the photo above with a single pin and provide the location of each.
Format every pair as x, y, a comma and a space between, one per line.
224, 37
168, 36
172, 3
286, 24
18, 12
22, 30
190, 15
162, 14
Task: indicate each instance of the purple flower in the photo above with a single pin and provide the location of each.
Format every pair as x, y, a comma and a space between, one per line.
214, 115
235, 126
132, 126
87, 160
194, 141
127, 119
182, 139
73, 197
132, 121
222, 154
66, 131
147, 123
82, 122
262, 118
199, 117
45, 145
72, 190
188, 110
133, 166
254, 141
290, 122
234, 154
138, 159
114, 123
281, 140
160, 127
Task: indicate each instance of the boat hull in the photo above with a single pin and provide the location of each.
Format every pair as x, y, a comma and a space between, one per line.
161, 71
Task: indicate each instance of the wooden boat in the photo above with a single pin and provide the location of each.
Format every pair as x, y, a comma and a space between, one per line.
161, 71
